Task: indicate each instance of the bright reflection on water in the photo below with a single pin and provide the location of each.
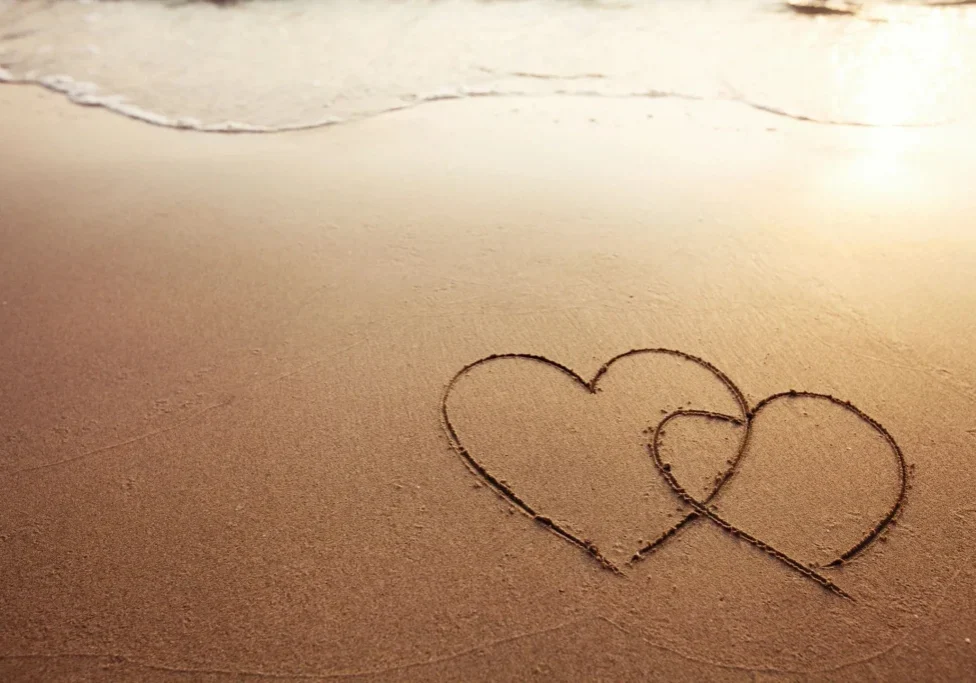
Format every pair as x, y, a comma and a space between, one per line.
890, 64
908, 68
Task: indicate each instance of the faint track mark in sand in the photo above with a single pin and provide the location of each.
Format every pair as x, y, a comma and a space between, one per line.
246, 388
487, 646
119, 444
324, 675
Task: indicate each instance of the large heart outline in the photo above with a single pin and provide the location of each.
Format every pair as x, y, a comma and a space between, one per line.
700, 508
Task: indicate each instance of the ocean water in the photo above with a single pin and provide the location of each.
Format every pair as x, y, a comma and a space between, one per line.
266, 65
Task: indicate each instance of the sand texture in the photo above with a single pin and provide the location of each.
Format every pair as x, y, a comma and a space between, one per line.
355, 403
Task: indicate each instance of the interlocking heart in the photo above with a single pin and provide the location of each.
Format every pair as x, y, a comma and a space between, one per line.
601, 474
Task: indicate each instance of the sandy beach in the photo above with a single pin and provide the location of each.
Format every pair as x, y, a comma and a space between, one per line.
346, 403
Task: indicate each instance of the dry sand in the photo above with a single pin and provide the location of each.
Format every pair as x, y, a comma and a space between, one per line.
225, 361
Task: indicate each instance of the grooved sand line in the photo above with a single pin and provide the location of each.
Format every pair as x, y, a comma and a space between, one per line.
701, 508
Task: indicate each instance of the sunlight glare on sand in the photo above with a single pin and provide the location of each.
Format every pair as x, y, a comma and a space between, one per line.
881, 168
904, 79
906, 68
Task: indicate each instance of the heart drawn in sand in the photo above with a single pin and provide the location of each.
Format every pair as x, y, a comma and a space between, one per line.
612, 487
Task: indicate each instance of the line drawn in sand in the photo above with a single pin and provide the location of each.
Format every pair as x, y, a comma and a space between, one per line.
701, 509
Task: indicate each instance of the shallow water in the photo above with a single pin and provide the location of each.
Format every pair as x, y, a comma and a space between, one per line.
270, 65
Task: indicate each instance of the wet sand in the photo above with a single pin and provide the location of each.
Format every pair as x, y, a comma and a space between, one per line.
194, 64
240, 440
